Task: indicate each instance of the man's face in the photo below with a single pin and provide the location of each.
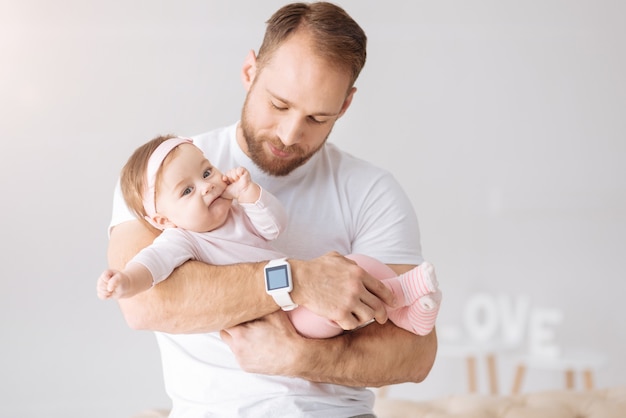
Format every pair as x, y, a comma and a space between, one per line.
292, 105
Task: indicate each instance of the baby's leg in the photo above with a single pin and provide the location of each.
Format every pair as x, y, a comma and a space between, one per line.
422, 298
312, 325
416, 290
419, 301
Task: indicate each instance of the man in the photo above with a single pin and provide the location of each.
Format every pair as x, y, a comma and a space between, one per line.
300, 83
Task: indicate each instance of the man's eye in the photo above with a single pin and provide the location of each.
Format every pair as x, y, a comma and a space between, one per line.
319, 122
187, 191
277, 107
206, 174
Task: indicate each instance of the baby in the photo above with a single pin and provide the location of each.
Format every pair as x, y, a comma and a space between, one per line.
226, 218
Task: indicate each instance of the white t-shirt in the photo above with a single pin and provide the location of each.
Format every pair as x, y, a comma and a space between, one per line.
333, 202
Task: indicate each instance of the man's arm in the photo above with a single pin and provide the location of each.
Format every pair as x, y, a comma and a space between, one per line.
376, 355
198, 297
373, 356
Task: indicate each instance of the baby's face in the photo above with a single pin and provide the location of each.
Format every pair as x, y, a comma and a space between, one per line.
189, 193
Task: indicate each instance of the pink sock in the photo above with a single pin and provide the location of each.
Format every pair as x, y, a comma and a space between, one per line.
421, 299
418, 282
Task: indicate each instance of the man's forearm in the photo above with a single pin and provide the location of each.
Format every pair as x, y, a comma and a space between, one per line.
375, 356
199, 298
196, 298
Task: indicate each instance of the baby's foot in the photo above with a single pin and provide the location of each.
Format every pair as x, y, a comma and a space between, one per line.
429, 277
430, 302
419, 282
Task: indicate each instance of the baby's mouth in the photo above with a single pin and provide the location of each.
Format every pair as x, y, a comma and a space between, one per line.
215, 199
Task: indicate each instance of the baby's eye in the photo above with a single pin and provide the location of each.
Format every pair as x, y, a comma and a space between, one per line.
206, 174
187, 191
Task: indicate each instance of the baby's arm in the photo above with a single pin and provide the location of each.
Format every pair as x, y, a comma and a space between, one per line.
117, 284
263, 209
240, 186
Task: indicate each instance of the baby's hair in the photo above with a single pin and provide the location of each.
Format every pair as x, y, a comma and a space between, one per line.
133, 176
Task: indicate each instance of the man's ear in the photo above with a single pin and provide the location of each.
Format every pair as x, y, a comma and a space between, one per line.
248, 70
347, 102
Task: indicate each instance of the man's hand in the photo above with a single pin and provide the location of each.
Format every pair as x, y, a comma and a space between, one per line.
336, 288
265, 345
374, 356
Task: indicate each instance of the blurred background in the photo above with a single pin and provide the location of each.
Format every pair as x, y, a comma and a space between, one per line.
504, 121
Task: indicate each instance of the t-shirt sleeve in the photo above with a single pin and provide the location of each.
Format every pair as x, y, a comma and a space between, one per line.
387, 227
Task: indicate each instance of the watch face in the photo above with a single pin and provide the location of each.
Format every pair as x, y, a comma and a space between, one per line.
276, 277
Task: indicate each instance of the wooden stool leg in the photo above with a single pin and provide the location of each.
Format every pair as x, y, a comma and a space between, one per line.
471, 374
493, 374
588, 377
519, 378
569, 379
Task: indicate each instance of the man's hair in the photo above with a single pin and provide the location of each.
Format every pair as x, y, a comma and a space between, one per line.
133, 175
335, 35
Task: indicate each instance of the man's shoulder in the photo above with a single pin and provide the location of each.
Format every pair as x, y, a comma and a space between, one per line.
219, 135
348, 163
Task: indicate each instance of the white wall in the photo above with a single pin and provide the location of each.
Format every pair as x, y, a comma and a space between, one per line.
505, 122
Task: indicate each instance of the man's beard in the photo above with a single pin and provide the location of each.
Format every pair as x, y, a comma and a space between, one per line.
273, 165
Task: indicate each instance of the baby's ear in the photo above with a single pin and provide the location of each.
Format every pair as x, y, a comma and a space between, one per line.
162, 222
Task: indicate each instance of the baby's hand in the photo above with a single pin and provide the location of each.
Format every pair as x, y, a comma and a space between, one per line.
239, 177
112, 284
240, 186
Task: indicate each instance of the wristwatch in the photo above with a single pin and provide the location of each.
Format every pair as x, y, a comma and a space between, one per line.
278, 283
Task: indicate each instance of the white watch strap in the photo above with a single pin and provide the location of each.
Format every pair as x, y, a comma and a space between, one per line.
284, 301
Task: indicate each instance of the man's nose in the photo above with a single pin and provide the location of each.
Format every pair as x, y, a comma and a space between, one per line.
291, 131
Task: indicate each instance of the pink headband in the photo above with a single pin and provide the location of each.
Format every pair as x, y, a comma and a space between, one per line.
155, 161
